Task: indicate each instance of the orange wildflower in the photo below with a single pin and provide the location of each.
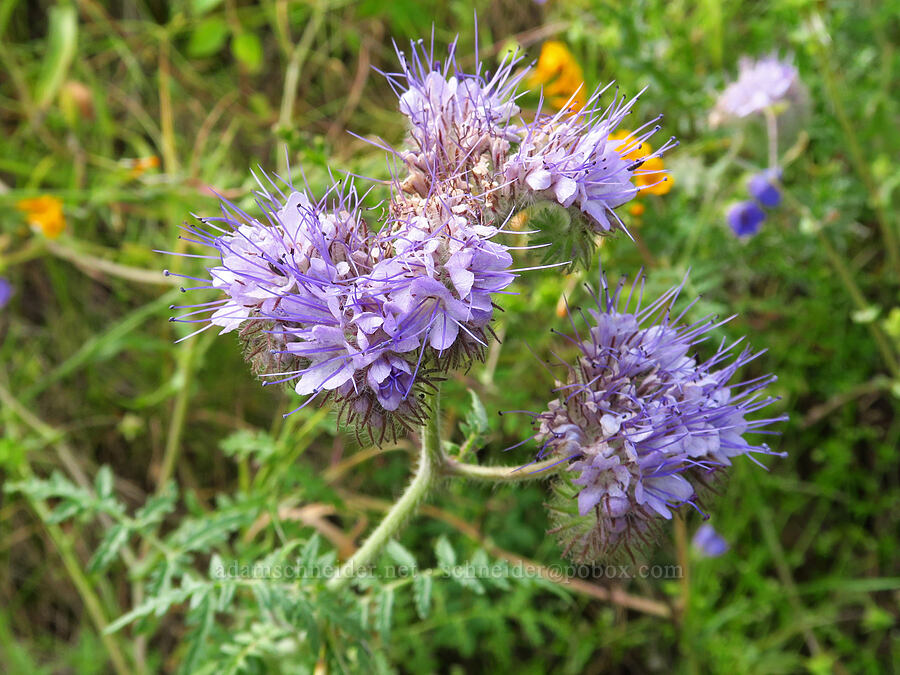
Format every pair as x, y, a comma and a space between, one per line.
44, 213
651, 178
139, 166
561, 76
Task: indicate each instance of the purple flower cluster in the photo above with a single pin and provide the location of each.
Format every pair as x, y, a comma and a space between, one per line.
571, 159
642, 422
761, 84
366, 317
746, 217
343, 312
470, 149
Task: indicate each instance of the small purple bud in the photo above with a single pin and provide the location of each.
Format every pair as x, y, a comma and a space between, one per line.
763, 187
745, 218
708, 542
6, 291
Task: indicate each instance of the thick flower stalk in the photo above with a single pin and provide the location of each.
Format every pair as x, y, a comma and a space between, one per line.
643, 423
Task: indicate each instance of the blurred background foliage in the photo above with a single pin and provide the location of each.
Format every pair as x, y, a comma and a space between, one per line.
130, 113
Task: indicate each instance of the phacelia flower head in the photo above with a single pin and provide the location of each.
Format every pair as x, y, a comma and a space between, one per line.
643, 422
745, 218
448, 275
301, 289
454, 117
763, 187
577, 161
761, 84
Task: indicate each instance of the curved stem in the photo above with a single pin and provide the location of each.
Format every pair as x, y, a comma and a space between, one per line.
504, 474
427, 475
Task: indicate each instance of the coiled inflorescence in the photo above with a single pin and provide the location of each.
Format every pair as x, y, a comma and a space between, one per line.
642, 422
368, 318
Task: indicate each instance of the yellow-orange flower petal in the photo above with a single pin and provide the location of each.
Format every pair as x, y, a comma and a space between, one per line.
141, 165
637, 209
651, 177
45, 214
634, 150
561, 76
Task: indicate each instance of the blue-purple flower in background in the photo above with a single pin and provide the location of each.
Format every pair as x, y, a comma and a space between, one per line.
745, 218
6, 292
763, 187
571, 159
708, 542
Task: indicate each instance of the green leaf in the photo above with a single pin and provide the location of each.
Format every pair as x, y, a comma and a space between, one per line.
208, 37
422, 586
55, 487
400, 555
204, 616
103, 482
157, 507
116, 537
157, 605
65, 511
384, 613
446, 556
476, 420
246, 444
466, 576
62, 44
307, 558
248, 50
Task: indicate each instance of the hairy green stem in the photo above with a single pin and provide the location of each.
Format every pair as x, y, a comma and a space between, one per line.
433, 466
427, 475
503, 474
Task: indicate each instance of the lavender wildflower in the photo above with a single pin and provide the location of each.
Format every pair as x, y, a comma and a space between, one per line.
572, 160
366, 319
461, 125
745, 218
761, 84
299, 288
643, 423
708, 542
470, 150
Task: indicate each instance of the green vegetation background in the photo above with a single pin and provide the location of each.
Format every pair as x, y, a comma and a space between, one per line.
90, 376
